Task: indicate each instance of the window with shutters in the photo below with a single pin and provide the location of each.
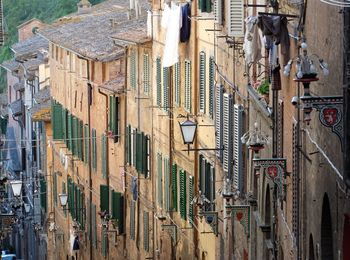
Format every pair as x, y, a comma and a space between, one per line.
207, 182
80, 139
86, 144
74, 135
94, 225
211, 86
146, 73
177, 83
160, 180
159, 82
235, 19
219, 91
166, 183
104, 198
118, 210
132, 220
94, 149
190, 199
104, 156
70, 131
202, 82
174, 186
227, 119
218, 11
113, 118
146, 231
188, 86
238, 175
166, 89
64, 124
133, 69
183, 202
205, 6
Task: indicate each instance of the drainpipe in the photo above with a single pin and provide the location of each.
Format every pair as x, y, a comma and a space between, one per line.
89, 103
195, 109
107, 146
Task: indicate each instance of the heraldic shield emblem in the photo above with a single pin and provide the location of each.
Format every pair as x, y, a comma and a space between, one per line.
330, 116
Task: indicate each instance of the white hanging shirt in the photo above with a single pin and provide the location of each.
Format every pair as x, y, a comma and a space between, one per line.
171, 21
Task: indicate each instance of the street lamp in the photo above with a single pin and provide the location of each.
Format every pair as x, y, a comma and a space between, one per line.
16, 187
27, 207
188, 131
255, 139
63, 199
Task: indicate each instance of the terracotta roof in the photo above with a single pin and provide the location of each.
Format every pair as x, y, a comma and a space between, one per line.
137, 35
30, 47
115, 85
10, 65
33, 64
89, 34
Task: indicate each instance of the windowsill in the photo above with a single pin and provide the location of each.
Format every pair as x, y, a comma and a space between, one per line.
261, 104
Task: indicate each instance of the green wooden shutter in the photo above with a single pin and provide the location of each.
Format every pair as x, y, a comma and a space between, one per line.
64, 125
113, 117
86, 144
134, 147
166, 89
202, 174
205, 5
183, 202
202, 82
207, 192
146, 231
110, 114
132, 220
94, 226
174, 186
80, 139
145, 155
146, 73
166, 184
133, 69
70, 127
188, 86
43, 193
211, 86
74, 135
190, 198
139, 151
212, 187
94, 149
159, 82
75, 208
55, 188
56, 110
104, 156
104, 198
160, 180
78, 206
117, 210
177, 75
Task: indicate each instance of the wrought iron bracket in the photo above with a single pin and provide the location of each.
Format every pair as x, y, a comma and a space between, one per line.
211, 218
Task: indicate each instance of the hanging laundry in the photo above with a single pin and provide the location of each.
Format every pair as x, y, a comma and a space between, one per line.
274, 28
149, 23
173, 24
273, 55
165, 16
186, 23
276, 78
252, 40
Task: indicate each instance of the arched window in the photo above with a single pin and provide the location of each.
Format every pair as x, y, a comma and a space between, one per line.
326, 230
311, 248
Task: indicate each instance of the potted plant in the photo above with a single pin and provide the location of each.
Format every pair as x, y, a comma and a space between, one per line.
264, 90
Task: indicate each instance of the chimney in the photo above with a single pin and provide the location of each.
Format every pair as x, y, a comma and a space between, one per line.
84, 6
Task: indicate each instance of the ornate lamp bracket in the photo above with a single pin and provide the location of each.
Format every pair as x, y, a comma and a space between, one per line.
211, 218
330, 111
172, 231
274, 169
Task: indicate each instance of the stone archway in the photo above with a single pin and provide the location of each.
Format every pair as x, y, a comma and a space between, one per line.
326, 230
311, 248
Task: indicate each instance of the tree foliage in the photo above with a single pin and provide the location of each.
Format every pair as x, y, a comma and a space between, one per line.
19, 11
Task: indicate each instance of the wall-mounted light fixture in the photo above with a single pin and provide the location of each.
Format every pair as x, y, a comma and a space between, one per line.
188, 130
